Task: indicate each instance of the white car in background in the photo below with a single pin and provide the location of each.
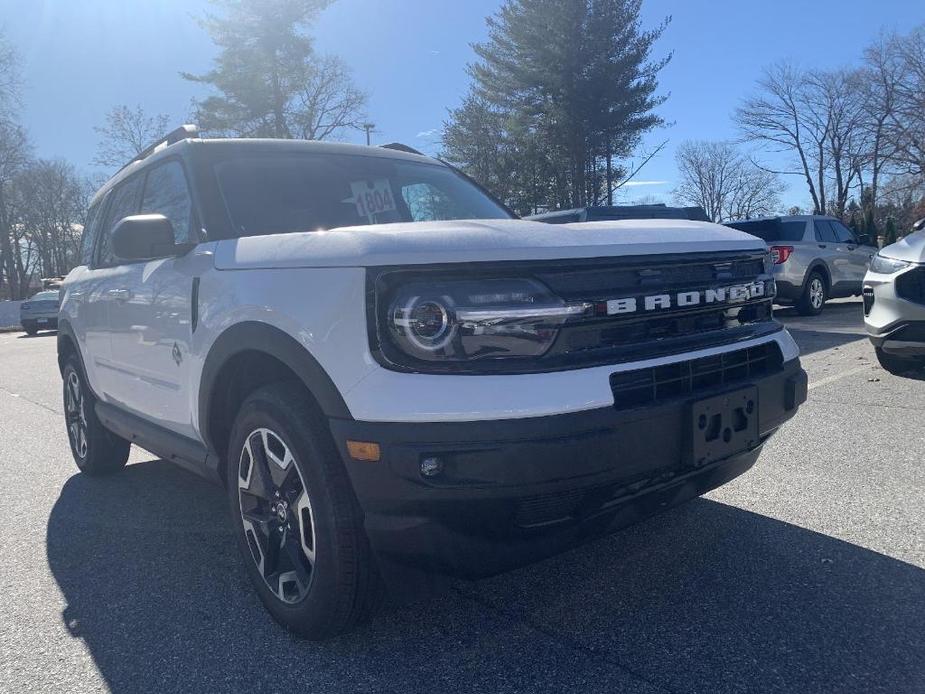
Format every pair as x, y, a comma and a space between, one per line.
894, 303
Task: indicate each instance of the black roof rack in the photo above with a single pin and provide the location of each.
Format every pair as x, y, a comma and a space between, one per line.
398, 146
183, 132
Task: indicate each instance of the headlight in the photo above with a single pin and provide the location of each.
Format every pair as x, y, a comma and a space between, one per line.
467, 320
887, 266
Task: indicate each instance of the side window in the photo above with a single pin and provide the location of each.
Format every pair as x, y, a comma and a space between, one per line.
91, 229
167, 193
843, 233
124, 202
824, 231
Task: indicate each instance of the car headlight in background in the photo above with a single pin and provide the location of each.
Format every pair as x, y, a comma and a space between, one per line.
467, 320
887, 266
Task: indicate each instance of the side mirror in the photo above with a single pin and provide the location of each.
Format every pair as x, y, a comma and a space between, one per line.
144, 236
864, 239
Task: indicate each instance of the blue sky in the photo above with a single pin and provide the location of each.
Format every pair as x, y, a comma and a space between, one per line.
81, 58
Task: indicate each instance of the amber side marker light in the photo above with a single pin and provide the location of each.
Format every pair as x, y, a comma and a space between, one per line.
363, 450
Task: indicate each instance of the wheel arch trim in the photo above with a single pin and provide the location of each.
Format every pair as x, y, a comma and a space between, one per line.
254, 336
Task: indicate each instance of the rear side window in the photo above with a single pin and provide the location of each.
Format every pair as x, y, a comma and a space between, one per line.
167, 193
771, 230
824, 231
125, 199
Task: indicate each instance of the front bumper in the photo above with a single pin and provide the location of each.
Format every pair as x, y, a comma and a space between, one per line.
516, 490
894, 324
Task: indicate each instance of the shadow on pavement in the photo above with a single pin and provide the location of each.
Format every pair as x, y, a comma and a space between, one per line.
707, 597
839, 323
811, 341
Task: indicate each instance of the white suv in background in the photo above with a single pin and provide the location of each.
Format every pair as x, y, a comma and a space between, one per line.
894, 303
393, 378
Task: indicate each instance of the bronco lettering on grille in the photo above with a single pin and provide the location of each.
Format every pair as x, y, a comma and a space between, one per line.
717, 295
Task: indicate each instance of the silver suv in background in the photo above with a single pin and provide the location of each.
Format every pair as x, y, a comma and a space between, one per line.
40, 312
816, 258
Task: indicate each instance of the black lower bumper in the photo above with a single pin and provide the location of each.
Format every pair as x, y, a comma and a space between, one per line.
903, 339
512, 491
40, 323
788, 291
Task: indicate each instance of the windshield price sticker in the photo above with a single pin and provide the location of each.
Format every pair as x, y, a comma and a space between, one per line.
372, 198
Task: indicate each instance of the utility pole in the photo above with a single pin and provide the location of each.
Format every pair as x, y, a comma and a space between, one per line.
368, 127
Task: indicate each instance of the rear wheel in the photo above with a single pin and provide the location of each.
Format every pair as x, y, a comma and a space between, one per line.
298, 524
96, 450
899, 365
814, 295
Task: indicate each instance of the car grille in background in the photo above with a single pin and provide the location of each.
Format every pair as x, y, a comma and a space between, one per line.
660, 383
911, 285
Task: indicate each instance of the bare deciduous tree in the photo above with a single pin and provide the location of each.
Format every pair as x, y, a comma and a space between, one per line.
879, 81
905, 128
327, 101
726, 184
786, 117
127, 133
9, 79
15, 152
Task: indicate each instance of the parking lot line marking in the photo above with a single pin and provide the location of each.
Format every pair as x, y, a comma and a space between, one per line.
838, 377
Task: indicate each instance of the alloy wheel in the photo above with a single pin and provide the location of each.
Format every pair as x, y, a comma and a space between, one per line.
277, 515
75, 414
816, 292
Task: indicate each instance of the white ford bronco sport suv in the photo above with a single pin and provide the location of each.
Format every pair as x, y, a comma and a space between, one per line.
395, 379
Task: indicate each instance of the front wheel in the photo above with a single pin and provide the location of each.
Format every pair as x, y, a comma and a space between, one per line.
814, 296
898, 365
296, 519
30, 327
96, 450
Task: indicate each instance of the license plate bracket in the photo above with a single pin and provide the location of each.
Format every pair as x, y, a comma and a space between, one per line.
723, 425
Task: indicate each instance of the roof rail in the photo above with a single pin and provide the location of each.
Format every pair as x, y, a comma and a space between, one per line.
183, 132
399, 147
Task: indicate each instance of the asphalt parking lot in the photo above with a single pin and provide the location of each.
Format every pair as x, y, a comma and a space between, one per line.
807, 574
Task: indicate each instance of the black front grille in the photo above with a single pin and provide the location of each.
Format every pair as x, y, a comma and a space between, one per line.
660, 383
868, 296
624, 336
911, 285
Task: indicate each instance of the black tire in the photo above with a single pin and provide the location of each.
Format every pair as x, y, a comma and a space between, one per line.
815, 294
30, 327
96, 450
322, 571
898, 365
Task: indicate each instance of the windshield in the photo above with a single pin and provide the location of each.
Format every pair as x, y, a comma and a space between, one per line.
45, 296
278, 194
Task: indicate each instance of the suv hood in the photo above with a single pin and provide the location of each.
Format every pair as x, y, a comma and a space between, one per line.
911, 248
472, 241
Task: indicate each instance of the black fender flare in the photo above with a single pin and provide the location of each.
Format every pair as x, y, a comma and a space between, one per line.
262, 337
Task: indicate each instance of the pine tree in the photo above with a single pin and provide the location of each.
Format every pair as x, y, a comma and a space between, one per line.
574, 79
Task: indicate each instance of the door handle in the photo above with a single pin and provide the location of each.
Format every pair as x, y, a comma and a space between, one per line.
822, 245
120, 294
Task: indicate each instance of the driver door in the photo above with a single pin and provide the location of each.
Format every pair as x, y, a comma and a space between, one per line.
150, 314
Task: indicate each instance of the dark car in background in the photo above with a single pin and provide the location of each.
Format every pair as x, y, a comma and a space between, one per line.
40, 312
816, 258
